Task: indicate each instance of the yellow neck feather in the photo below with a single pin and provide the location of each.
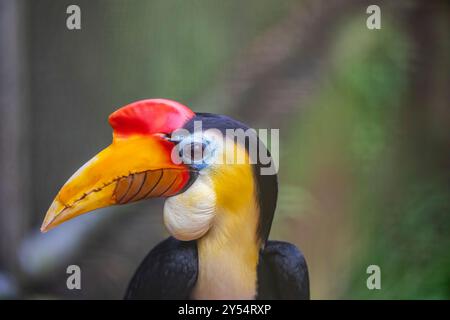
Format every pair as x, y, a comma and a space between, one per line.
229, 251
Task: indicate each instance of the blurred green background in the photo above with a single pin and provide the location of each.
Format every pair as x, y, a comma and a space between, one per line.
364, 120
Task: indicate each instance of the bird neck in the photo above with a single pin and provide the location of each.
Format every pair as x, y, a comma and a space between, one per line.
228, 258
228, 253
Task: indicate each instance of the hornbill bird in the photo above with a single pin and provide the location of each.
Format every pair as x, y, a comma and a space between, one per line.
219, 213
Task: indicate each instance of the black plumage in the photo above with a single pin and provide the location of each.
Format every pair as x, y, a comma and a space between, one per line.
282, 272
170, 272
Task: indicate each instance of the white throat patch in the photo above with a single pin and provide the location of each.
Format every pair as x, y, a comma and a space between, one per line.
189, 215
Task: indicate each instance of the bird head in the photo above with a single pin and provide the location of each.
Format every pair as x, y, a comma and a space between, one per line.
158, 151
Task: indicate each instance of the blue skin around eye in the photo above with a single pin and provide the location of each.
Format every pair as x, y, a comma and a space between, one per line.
199, 166
209, 152
207, 155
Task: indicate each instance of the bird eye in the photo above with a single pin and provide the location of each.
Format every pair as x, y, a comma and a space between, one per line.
193, 153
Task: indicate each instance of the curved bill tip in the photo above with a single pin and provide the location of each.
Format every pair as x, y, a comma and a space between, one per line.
51, 218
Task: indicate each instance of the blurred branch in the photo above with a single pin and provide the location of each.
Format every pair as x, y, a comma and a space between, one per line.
427, 119
280, 70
